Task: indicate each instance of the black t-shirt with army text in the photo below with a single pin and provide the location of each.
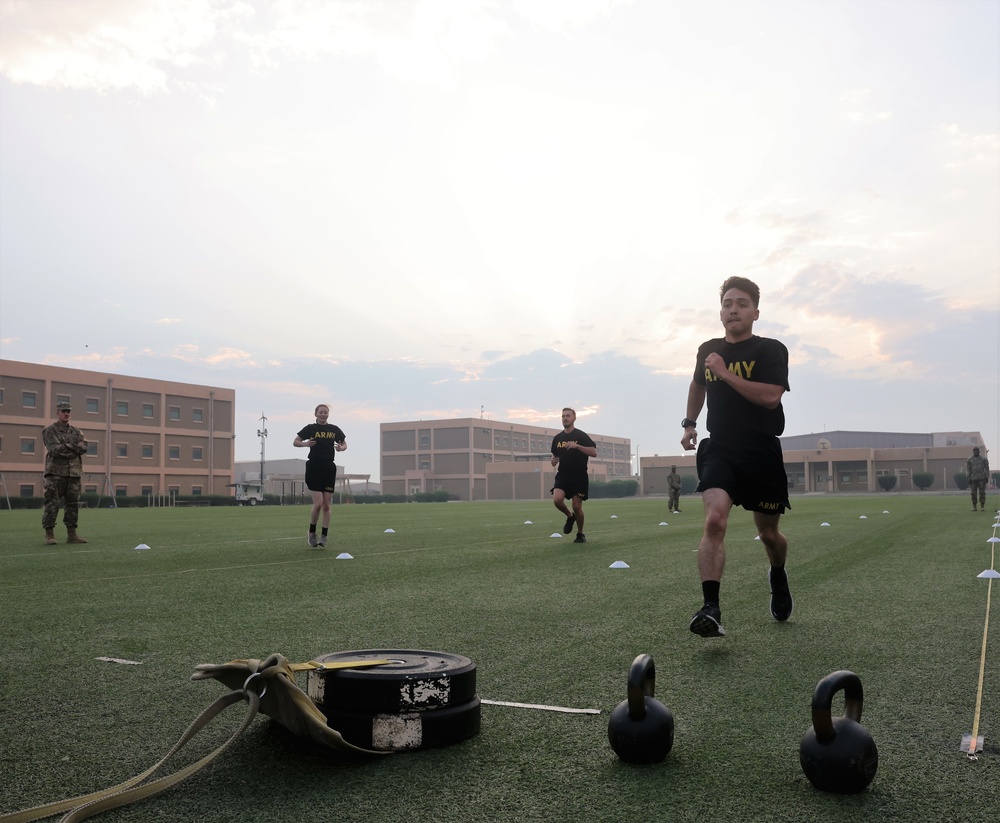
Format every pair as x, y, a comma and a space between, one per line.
758, 359
325, 435
572, 460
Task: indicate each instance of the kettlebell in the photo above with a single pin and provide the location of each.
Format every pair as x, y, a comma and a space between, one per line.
641, 728
838, 754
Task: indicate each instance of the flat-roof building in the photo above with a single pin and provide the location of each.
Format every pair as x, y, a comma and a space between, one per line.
145, 436
476, 459
847, 461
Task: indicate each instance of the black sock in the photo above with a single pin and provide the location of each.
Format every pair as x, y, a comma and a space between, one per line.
325, 530
710, 589
312, 528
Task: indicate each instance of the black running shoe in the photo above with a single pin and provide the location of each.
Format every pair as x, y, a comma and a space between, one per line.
707, 621
781, 597
581, 538
569, 524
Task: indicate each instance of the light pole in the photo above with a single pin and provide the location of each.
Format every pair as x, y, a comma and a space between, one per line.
262, 434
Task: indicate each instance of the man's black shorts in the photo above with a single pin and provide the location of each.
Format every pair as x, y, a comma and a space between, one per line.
751, 472
572, 485
321, 475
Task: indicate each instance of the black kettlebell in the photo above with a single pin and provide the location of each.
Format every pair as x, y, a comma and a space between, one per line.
838, 754
641, 728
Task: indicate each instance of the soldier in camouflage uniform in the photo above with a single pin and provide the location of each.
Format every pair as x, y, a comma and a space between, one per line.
65, 446
978, 469
674, 490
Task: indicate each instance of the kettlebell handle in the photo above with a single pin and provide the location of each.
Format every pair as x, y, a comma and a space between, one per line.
854, 699
641, 684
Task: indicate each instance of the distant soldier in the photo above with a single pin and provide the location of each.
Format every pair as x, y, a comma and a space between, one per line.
65, 446
674, 489
978, 469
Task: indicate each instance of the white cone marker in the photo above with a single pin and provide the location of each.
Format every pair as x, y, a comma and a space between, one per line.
619, 564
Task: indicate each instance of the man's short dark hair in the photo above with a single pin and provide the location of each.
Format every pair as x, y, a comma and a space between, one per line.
975, 449
743, 284
567, 408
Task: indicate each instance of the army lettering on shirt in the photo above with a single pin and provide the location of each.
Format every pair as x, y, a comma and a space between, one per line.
325, 435
730, 414
572, 460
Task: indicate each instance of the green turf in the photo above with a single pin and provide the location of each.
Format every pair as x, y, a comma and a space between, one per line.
893, 597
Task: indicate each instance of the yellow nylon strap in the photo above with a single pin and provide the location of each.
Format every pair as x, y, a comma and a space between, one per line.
312, 665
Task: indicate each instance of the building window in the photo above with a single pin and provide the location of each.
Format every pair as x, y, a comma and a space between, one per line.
425, 441
121, 491
425, 465
1, 397
198, 415
175, 412
147, 411
28, 399
27, 490
93, 405
91, 450
27, 445
90, 489
121, 449
196, 453
174, 452
147, 451
147, 491
846, 477
196, 491
121, 408
63, 398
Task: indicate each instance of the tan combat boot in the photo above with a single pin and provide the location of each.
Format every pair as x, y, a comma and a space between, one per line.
50, 538
74, 537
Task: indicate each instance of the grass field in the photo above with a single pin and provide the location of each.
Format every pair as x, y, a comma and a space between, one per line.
894, 597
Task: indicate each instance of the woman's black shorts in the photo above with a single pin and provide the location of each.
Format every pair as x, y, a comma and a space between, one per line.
751, 472
321, 475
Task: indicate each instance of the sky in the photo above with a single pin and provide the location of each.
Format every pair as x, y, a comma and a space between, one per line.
420, 209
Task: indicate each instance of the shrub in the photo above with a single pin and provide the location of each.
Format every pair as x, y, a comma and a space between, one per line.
615, 488
962, 480
923, 480
887, 481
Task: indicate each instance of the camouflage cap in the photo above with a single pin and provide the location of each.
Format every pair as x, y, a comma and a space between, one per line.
64, 407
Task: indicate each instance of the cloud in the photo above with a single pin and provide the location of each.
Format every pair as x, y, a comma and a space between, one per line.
104, 45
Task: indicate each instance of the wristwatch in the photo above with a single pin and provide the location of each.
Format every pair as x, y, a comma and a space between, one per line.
687, 421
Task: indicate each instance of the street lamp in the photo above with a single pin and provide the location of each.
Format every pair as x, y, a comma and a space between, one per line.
262, 434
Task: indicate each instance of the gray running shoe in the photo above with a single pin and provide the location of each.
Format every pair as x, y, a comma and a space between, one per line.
312, 539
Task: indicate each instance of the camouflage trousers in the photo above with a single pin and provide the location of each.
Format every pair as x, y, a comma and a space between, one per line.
65, 490
981, 486
674, 499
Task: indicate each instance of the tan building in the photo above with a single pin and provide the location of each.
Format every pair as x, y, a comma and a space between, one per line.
846, 461
146, 436
477, 459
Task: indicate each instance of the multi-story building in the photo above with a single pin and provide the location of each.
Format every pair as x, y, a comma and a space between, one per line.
477, 459
146, 437
848, 461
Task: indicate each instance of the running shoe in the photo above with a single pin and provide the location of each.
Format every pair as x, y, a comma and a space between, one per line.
581, 538
312, 539
322, 540
707, 621
781, 597
569, 524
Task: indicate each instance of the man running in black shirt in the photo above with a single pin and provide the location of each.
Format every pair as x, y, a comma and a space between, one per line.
571, 450
742, 377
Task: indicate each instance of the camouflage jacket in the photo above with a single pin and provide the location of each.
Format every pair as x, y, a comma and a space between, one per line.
64, 446
673, 480
978, 468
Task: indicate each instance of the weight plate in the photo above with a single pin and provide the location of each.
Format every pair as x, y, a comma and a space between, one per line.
414, 681
407, 731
